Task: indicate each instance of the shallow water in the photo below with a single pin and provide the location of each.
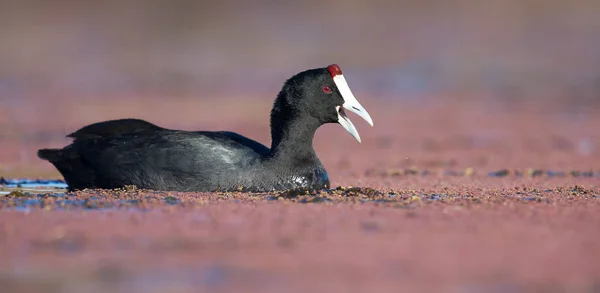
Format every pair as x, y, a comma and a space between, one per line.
32, 183
61, 202
52, 194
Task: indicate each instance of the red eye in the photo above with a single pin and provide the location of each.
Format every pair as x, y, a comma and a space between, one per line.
326, 89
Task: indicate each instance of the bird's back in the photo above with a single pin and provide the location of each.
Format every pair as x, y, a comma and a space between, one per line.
158, 159
114, 127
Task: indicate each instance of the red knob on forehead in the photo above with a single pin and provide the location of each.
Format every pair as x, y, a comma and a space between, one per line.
334, 70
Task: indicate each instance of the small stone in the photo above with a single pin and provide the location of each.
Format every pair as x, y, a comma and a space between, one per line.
130, 188
534, 172
499, 173
469, 171
411, 172
587, 174
452, 173
393, 172
16, 193
555, 173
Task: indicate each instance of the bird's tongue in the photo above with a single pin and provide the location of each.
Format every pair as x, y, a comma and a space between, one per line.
350, 102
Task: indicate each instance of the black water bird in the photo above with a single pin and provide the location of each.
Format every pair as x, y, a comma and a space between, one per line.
117, 153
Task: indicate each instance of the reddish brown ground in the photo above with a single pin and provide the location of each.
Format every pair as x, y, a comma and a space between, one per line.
451, 229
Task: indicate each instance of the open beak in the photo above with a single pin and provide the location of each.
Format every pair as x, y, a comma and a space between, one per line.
350, 104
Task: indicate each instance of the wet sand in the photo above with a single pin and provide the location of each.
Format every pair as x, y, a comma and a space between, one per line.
456, 197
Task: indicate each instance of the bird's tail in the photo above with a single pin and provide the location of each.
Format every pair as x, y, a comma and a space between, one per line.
51, 155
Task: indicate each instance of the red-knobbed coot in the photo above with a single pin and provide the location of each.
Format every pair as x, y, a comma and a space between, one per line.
116, 153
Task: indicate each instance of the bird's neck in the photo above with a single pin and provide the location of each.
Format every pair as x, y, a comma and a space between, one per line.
292, 139
292, 133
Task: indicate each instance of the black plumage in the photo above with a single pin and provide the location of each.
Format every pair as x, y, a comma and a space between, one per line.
116, 153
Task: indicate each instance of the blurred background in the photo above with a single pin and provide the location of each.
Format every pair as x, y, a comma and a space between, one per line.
392, 47
64, 62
